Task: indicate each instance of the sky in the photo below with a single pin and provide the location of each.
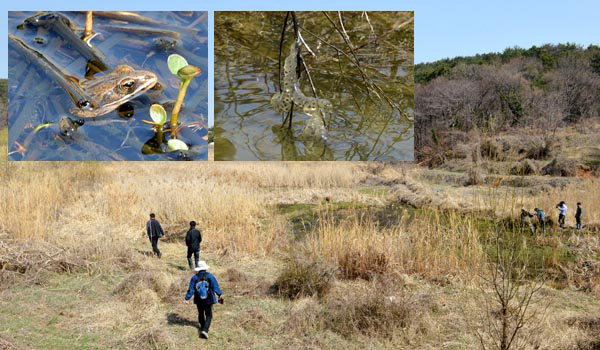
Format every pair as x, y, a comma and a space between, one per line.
443, 28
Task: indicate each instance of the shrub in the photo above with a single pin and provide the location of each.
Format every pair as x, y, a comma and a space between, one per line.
561, 167
155, 281
540, 149
490, 149
375, 311
304, 275
152, 338
363, 264
474, 176
524, 167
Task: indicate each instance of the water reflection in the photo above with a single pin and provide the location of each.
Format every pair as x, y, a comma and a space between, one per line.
372, 104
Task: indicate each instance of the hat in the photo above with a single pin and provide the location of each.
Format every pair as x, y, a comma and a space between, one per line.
201, 266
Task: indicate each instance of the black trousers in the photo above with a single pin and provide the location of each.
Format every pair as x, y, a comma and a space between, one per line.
561, 220
155, 250
204, 316
196, 254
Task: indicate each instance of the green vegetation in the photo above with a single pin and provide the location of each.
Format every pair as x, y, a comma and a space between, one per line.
547, 54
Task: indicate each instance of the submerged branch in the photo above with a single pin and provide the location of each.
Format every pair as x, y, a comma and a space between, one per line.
281, 40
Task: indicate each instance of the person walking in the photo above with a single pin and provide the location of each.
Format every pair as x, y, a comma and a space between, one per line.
154, 231
192, 240
541, 218
562, 213
203, 287
578, 216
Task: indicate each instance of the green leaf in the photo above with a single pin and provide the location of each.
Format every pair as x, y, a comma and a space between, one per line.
158, 114
175, 63
177, 145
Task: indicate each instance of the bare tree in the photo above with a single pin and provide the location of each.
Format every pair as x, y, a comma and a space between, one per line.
508, 294
579, 88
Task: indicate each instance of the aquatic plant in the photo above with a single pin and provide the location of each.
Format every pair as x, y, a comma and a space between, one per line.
177, 145
159, 118
186, 73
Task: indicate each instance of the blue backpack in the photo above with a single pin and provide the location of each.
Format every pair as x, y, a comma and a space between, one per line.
203, 287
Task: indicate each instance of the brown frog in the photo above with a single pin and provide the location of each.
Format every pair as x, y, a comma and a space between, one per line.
108, 92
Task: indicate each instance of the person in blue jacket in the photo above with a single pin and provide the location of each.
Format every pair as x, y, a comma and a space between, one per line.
541, 218
203, 287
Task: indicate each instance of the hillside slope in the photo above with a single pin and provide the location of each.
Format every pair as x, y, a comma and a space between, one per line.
542, 91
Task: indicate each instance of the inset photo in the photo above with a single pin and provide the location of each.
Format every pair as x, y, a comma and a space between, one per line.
314, 86
115, 86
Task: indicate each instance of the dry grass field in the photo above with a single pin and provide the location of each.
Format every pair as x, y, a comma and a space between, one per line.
309, 256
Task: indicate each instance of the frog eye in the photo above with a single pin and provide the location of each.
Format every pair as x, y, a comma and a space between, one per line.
85, 104
127, 84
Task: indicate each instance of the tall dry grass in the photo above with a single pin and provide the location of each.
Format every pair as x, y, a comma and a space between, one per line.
33, 196
586, 191
422, 245
285, 174
78, 201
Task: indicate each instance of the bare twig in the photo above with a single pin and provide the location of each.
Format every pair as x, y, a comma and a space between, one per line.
283, 28
371, 85
312, 85
305, 44
384, 35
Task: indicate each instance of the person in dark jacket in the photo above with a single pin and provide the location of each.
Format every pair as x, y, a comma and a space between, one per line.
192, 240
526, 220
154, 231
204, 306
578, 216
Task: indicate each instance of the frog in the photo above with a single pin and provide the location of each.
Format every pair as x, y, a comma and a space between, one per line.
316, 108
108, 92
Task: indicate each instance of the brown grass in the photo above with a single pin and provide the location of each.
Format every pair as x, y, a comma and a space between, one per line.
376, 309
524, 168
83, 219
304, 275
424, 246
151, 283
561, 167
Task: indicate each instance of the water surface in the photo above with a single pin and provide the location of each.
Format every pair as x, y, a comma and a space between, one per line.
363, 125
35, 99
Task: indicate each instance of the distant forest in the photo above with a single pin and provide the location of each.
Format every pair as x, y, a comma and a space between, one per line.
543, 87
3, 103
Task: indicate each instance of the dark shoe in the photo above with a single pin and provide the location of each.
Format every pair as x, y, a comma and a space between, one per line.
203, 335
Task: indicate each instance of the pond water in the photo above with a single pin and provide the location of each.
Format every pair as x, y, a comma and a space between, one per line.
143, 40
371, 88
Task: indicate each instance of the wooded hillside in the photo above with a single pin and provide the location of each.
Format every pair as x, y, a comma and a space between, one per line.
541, 87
